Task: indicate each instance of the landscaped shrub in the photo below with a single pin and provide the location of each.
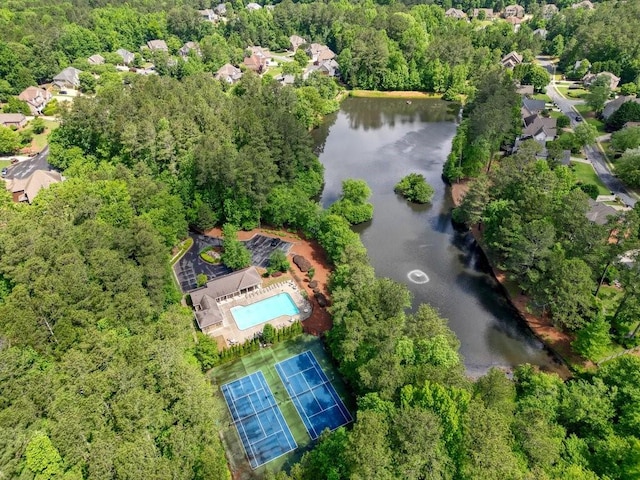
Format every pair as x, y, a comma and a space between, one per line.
278, 262
201, 279
209, 255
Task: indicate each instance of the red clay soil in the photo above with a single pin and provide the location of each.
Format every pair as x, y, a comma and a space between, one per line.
320, 320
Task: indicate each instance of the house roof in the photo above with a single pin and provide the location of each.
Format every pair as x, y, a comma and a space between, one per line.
30, 94
187, 47
584, 4
220, 9
12, 118
455, 13
68, 75
541, 32
600, 212
286, 79
32, 184
226, 285
156, 45
229, 73
537, 125
488, 12
511, 59
612, 106
127, 56
253, 6
533, 106
525, 90
96, 59
254, 62
259, 51
210, 313
296, 41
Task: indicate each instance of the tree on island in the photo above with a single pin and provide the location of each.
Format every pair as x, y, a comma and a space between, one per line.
415, 188
235, 255
353, 205
278, 262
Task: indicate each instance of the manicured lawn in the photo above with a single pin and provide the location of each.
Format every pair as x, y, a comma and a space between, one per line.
4, 163
590, 118
394, 94
571, 92
585, 173
542, 96
554, 114
40, 141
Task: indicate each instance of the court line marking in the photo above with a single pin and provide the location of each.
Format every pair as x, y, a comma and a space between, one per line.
315, 365
273, 407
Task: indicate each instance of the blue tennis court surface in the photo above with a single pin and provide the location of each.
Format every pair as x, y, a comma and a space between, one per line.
313, 394
264, 433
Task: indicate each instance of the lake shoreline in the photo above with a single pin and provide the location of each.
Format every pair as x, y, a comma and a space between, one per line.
554, 340
407, 94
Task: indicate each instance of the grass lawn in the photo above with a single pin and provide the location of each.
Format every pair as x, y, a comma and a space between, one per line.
542, 96
585, 173
554, 114
40, 141
4, 163
395, 94
590, 118
265, 360
577, 93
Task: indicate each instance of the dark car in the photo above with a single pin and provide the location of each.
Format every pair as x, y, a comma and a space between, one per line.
578, 119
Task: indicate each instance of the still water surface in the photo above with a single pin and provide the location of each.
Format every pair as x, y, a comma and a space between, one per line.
381, 140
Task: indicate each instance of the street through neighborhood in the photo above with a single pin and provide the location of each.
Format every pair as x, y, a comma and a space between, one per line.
593, 153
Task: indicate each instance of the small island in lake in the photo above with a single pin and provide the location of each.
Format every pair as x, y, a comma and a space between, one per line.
415, 188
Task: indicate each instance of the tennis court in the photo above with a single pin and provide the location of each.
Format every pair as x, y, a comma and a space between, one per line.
264, 433
313, 395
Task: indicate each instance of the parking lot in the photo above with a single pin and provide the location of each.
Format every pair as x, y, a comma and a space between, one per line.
191, 265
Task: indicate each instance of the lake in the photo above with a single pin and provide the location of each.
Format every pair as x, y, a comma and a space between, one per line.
381, 140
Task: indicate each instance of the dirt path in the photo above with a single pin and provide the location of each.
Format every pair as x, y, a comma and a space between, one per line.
320, 320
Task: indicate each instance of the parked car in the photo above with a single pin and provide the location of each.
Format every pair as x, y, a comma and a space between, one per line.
4, 172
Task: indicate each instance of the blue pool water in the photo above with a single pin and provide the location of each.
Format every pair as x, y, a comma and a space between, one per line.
264, 310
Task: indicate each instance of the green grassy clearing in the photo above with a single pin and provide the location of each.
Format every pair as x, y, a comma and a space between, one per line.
40, 141
577, 93
396, 94
265, 360
585, 173
4, 163
542, 96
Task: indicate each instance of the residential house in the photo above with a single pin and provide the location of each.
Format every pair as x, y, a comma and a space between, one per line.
589, 78
513, 11
549, 10
525, 90
252, 7
188, 47
531, 106
68, 78
36, 98
584, 4
456, 14
320, 53
256, 64
205, 299
612, 106
228, 73
511, 59
515, 21
286, 79
220, 9
488, 13
26, 189
17, 120
96, 59
330, 68
296, 41
126, 55
260, 52
600, 212
209, 15
539, 128
541, 32
157, 46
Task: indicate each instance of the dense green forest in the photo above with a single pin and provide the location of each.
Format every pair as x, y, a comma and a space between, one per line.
99, 371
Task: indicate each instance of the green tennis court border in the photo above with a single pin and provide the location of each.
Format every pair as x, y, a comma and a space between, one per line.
265, 360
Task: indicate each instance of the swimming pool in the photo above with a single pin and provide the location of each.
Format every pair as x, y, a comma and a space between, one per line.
264, 310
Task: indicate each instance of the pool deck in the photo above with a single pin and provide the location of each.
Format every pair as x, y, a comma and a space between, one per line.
230, 331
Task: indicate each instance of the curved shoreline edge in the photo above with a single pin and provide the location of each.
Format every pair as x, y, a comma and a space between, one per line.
557, 343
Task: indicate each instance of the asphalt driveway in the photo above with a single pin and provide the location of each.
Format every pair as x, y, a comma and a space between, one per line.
191, 265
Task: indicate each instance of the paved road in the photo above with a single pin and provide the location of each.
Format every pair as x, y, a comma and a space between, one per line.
594, 155
26, 167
